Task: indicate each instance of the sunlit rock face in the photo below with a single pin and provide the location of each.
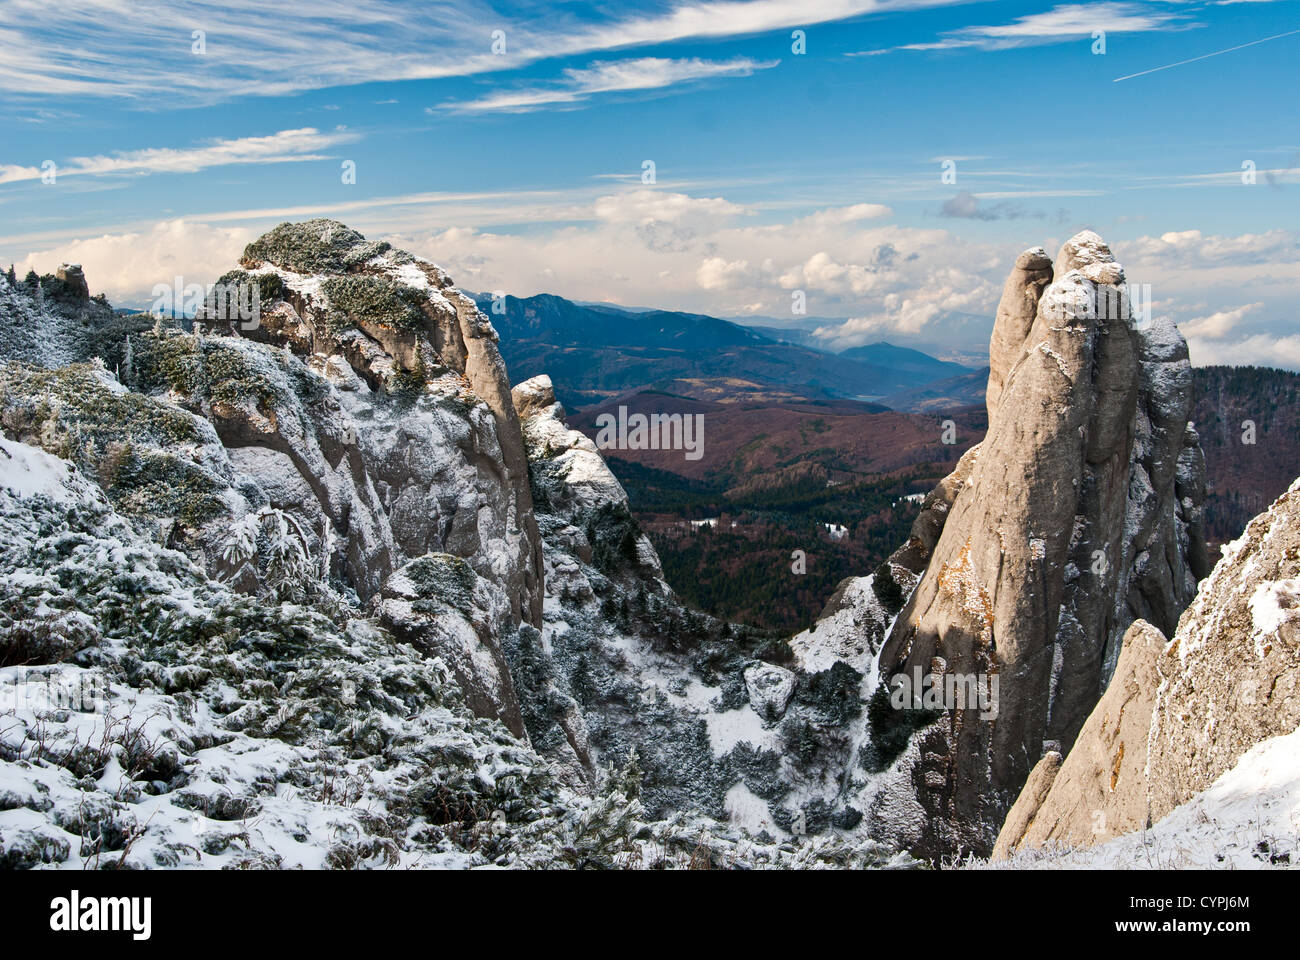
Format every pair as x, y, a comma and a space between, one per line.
1202, 721
1079, 513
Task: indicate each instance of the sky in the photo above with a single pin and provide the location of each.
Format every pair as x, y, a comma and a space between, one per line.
882, 161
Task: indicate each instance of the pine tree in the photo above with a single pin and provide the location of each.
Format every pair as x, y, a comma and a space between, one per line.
11, 276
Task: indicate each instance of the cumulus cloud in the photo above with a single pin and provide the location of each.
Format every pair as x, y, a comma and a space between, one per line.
1192, 248
717, 273
126, 266
1218, 324
1232, 296
871, 278
1257, 350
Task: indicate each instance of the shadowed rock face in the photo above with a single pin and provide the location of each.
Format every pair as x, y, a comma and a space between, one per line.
1079, 513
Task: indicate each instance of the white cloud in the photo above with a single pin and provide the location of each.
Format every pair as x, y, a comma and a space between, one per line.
1257, 350
126, 266
287, 146
717, 273
1234, 296
142, 49
645, 73
644, 206
1065, 22
632, 245
850, 214
1192, 248
1218, 324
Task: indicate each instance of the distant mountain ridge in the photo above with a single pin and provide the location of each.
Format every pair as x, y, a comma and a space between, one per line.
905, 360
600, 351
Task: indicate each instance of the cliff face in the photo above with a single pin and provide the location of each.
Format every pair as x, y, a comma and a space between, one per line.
1181, 713
1077, 513
398, 320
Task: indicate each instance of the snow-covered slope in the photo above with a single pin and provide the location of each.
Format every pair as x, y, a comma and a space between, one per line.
1248, 819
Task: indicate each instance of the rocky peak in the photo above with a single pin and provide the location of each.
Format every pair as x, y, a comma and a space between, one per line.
1079, 513
399, 323
73, 280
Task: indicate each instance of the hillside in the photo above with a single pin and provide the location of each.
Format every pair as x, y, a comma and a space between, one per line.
905, 360
595, 353
1245, 477
774, 476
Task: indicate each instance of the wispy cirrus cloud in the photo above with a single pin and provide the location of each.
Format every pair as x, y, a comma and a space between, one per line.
286, 146
612, 76
145, 49
1065, 22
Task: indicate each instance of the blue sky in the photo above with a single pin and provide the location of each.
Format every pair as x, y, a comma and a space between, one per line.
775, 171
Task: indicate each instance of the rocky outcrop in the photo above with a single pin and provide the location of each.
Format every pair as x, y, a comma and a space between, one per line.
439, 605
73, 279
569, 474
1021, 816
1016, 312
1078, 513
351, 429
1089, 798
399, 322
1180, 714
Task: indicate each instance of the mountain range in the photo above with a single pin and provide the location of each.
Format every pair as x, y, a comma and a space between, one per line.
332, 590
596, 352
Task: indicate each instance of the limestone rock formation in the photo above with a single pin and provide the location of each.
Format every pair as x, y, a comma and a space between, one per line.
397, 319
344, 440
1091, 795
74, 281
1078, 513
439, 605
1180, 714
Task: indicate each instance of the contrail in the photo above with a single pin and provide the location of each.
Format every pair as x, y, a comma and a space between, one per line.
1205, 56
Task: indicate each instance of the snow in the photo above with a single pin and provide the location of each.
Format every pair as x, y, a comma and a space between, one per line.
852, 634
748, 811
26, 471
729, 729
1247, 819
1272, 604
